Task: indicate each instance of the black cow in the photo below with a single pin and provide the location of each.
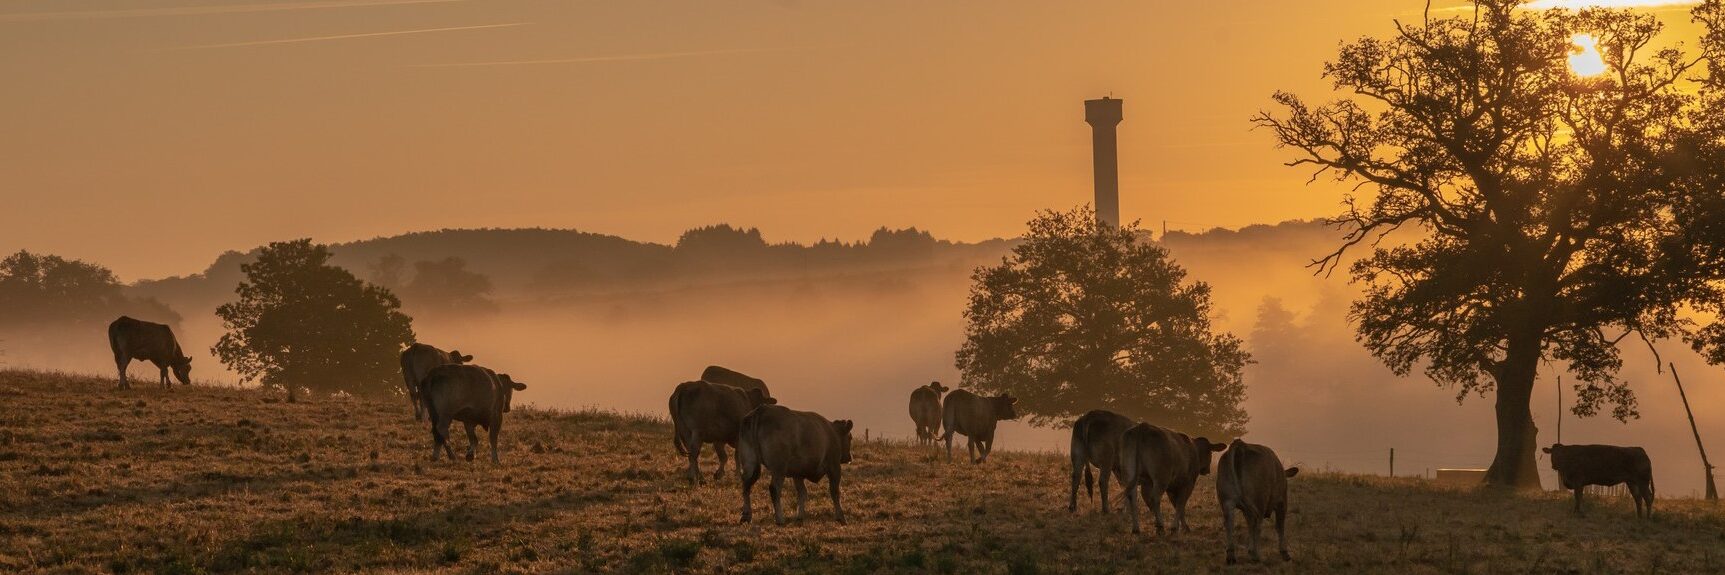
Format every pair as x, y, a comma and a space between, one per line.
1096, 442
975, 417
722, 376
417, 361
1579, 466
138, 340
469, 394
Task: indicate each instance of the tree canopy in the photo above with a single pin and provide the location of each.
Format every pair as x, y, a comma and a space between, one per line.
41, 289
300, 323
1084, 316
1551, 216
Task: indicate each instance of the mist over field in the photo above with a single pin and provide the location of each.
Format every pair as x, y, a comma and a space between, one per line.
849, 332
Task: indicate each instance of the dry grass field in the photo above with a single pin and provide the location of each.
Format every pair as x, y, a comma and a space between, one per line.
201, 479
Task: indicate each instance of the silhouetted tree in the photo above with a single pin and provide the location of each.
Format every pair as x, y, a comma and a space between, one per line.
38, 289
301, 323
1081, 316
447, 287
389, 271
1550, 209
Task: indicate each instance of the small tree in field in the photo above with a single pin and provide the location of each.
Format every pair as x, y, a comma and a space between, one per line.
301, 323
1555, 214
1084, 316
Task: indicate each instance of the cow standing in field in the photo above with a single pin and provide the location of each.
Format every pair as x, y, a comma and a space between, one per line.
1096, 442
469, 394
800, 445
975, 417
1579, 466
1158, 461
417, 361
925, 411
1250, 478
703, 412
138, 340
722, 376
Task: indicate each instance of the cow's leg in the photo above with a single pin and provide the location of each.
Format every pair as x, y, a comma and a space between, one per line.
472, 441
1103, 485
833, 488
1131, 500
120, 363
1578, 501
1281, 531
987, 447
802, 496
750, 473
1153, 497
719, 449
693, 443
164, 373
1178, 497
970, 444
495, 428
949, 445
418, 406
776, 489
1078, 466
1254, 523
1228, 528
440, 432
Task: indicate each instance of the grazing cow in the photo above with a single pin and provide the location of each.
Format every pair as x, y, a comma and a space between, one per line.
925, 411
703, 412
417, 361
975, 417
1096, 442
1158, 461
1250, 478
138, 340
469, 394
800, 445
720, 375
1578, 466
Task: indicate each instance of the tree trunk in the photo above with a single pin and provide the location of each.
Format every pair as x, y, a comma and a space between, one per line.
1514, 465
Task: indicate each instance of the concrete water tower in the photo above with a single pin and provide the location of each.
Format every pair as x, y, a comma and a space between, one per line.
1103, 115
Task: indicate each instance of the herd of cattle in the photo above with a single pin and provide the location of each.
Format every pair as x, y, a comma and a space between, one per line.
729, 409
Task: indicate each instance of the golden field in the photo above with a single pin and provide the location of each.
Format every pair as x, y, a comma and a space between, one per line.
201, 479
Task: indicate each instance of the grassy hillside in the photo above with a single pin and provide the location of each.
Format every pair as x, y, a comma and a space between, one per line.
208, 480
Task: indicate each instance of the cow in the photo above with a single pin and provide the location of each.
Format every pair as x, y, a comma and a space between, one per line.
470, 394
1157, 461
1579, 466
800, 445
975, 417
720, 375
417, 361
703, 412
925, 411
1096, 442
1250, 478
138, 340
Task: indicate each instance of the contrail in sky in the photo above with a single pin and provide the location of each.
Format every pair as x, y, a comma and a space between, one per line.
204, 10
347, 36
615, 58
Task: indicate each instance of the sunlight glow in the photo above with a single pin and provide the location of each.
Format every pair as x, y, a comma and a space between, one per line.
1585, 60
1579, 4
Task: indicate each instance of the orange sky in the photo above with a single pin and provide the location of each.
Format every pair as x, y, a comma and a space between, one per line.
151, 136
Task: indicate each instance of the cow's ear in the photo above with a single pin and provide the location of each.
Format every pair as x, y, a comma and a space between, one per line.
517, 385
1012, 400
843, 426
1218, 446
186, 360
1545, 449
1292, 471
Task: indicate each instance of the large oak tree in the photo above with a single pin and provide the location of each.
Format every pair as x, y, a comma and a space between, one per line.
1549, 217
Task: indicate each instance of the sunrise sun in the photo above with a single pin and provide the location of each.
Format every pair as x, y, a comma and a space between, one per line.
1584, 59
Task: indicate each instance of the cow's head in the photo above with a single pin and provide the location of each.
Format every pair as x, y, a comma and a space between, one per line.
938, 388
1556, 453
506, 389
759, 398
182, 370
1202, 449
844, 427
1003, 406
456, 357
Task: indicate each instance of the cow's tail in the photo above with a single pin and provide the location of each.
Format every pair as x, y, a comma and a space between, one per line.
1080, 456
1236, 451
437, 431
749, 445
677, 423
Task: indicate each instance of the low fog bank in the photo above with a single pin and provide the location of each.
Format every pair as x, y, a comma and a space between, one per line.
853, 342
